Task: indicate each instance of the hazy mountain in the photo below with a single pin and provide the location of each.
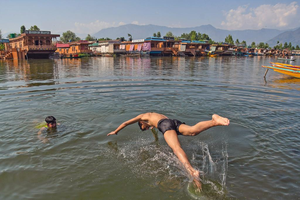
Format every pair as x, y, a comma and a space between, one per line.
218, 35
292, 36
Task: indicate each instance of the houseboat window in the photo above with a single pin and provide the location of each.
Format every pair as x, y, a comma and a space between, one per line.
47, 42
152, 45
36, 42
41, 42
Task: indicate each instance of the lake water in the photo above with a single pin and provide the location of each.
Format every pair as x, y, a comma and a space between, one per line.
256, 157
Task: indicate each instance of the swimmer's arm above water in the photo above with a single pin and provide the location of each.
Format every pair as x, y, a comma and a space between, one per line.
41, 129
124, 124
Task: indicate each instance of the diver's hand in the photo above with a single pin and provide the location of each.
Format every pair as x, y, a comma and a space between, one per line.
112, 133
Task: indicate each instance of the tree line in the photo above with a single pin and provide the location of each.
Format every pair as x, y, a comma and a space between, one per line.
70, 36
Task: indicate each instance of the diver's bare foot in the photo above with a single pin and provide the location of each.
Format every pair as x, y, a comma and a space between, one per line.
198, 185
220, 121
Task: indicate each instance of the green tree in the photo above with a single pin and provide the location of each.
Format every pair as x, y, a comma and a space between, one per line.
104, 39
68, 37
267, 46
237, 42
229, 39
22, 29
185, 36
34, 28
244, 43
154, 35
90, 38
253, 45
158, 34
130, 37
9, 35
169, 34
211, 41
261, 45
285, 45
297, 47
290, 45
122, 39
193, 35
1, 45
203, 36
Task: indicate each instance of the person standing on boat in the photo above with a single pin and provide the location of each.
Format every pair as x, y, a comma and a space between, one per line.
170, 129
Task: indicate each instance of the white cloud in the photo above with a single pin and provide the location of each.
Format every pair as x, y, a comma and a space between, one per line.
93, 27
135, 22
264, 16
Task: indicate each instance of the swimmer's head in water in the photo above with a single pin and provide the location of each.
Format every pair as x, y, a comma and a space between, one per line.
51, 121
143, 125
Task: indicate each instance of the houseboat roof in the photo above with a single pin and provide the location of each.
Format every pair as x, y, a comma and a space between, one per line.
138, 41
155, 39
34, 33
94, 44
80, 42
58, 45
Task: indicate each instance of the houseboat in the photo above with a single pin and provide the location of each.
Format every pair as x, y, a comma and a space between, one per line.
193, 48
133, 48
153, 46
111, 47
73, 49
169, 46
31, 44
223, 49
259, 52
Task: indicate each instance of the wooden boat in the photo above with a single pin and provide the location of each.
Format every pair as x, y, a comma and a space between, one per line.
286, 59
291, 70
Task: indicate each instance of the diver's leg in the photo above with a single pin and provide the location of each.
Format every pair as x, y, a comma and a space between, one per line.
172, 140
204, 125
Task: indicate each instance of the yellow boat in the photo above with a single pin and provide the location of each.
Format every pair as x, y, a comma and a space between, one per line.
291, 70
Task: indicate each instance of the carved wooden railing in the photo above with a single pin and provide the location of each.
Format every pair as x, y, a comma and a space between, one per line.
39, 47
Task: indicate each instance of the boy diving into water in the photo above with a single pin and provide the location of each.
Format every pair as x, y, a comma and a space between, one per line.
171, 128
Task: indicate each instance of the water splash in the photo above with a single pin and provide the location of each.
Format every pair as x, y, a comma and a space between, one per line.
153, 161
214, 174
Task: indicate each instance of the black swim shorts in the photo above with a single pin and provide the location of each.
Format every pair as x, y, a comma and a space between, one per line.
169, 124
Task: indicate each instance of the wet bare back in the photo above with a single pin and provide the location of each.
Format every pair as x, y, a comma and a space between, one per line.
152, 118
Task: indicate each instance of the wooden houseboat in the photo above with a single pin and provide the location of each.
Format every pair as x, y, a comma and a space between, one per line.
169, 46
193, 48
134, 47
62, 49
259, 52
154, 45
222, 49
95, 48
111, 47
31, 44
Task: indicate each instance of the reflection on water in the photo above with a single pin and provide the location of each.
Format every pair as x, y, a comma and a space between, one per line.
253, 158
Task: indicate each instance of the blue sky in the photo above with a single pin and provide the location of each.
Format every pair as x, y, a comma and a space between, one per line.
90, 16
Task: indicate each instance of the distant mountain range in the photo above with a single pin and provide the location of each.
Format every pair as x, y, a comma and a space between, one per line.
218, 35
287, 36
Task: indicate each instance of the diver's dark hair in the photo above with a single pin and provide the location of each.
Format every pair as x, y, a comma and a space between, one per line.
140, 125
50, 120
